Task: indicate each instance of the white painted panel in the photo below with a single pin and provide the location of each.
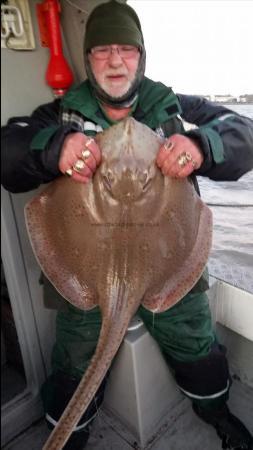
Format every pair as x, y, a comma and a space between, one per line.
23, 85
22, 410
234, 309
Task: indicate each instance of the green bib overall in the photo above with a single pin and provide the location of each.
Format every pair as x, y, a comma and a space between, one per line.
184, 332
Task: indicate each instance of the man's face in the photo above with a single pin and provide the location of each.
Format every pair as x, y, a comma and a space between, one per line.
116, 73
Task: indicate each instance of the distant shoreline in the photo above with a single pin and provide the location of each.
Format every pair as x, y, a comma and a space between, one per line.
234, 103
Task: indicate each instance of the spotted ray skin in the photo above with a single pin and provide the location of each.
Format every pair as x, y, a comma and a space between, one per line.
130, 236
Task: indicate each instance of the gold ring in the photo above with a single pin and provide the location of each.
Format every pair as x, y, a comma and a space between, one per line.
86, 154
190, 159
88, 142
79, 165
182, 160
188, 156
69, 172
168, 145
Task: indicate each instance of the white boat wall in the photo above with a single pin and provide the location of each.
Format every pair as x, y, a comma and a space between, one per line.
126, 420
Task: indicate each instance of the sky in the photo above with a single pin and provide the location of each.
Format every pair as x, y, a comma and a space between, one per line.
199, 46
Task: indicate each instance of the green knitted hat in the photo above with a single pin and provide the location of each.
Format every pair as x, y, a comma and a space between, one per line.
113, 23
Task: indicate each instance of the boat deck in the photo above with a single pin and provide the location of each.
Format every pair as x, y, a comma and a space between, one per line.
181, 429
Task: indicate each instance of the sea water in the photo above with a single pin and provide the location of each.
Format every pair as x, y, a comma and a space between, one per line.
231, 202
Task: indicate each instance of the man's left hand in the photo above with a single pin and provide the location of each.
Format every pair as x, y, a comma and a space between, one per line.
179, 156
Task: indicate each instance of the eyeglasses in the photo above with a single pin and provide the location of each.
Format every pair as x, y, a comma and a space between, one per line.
104, 52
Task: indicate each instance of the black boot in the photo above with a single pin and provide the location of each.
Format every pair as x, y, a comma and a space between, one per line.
233, 434
77, 440
62, 387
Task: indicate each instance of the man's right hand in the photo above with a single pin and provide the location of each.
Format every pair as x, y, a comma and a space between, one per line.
80, 157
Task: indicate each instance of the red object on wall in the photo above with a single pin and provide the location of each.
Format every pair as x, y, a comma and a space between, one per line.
58, 75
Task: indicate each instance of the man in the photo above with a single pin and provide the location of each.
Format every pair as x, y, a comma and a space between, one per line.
57, 140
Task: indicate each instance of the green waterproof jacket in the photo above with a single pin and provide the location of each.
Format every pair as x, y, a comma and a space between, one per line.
32, 145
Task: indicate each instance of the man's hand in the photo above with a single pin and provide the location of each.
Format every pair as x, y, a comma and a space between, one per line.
179, 156
79, 157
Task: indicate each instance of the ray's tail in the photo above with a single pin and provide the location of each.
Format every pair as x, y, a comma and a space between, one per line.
112, 333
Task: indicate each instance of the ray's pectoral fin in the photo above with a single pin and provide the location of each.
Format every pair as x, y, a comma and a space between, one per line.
59, 246
179, 282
